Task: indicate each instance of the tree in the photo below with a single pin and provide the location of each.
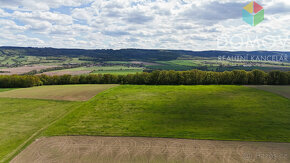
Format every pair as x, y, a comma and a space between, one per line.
239, 77
257, 77
277, 78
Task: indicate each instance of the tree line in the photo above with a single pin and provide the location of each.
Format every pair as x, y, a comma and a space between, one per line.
191, 77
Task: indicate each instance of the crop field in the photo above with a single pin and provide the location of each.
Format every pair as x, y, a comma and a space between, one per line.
144, 63
192, 62
21, 60
236, 113
66, 72
88, 64
213, 63
19, 64
132, 62
87, 149
197, 112
120, 70
21, 118
60, 92
22, 70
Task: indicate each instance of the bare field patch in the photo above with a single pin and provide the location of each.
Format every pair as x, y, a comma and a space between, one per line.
59, 92
145, 63
283, 90
23, 69
87, 149
66, 72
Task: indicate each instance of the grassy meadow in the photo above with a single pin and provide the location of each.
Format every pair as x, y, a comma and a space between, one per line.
21, 118
197, 112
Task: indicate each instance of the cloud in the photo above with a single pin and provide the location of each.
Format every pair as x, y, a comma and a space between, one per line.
138, 17
171, 24
53, 18
11, 26
213, 12
41, 5
3, 13
116, 33
278, 8
37, 26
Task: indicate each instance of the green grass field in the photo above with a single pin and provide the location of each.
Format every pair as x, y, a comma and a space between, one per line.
198, 112
119, 70
213, 63
6, 89
21, 118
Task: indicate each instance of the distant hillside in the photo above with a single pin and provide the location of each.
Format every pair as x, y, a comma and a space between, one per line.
128, 54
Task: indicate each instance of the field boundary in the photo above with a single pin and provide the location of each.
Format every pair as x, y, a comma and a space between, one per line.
71, 92
27, 142
10, 156
265, 88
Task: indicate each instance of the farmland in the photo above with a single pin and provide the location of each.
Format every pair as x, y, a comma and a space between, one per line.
22, 60
280, 90
146, 111
7, 89
128, 61
140, 150
23, 69
119, 70
21, 118
182, 112
63, 92
144, 81
212, 64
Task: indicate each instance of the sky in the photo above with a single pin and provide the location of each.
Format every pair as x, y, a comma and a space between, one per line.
145, 24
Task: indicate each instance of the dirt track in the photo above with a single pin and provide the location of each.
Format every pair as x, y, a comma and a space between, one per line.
90, 149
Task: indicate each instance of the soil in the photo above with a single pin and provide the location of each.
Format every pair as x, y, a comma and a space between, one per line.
93, 149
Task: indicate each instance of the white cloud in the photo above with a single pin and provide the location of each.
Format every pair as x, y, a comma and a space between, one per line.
3, 13
53, 18
33, 5
170, 24
11, 26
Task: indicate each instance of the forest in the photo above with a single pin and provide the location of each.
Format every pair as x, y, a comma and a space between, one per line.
127, 54
191, 77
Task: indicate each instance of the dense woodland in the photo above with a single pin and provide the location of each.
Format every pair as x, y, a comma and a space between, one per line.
126, 54
192, 77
